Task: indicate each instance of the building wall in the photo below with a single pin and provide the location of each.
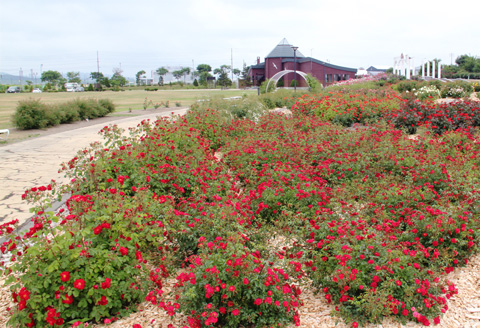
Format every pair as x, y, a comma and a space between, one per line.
270, 69
255, 73
326, 75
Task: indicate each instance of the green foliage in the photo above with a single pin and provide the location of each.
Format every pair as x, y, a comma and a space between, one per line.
51, 77
428, 92
406, 86
74, 77
91, 274
223, 78
314, 84
259, 202
231, 286
33, 114
458, 89
203, 72
138, 76
263, 87
278, 99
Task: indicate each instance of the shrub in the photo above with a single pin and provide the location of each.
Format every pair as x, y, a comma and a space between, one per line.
453, 92
107, 105
93, 274
67, 113
33, 114
404, 86
314, 84
437, 83
228, 285
476, 86
457, 89
428, 92
370, 218
263, 87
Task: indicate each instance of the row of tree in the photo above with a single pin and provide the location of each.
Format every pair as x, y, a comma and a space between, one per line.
55, 78
466, 65
202, 75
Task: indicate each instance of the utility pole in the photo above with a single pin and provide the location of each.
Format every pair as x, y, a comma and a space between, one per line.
98, 65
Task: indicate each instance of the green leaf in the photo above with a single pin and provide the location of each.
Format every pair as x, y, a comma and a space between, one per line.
53, 266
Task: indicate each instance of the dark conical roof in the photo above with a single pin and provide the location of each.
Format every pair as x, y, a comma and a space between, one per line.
283, 50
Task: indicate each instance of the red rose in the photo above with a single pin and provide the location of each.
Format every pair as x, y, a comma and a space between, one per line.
65, 276
79, 284
68, 299
123, 251
106, 284
236, 312
103, 301
97, 229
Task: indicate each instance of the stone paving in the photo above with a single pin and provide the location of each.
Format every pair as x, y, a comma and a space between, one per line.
36, 162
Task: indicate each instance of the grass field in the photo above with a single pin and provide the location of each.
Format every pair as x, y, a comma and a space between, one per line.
123, 100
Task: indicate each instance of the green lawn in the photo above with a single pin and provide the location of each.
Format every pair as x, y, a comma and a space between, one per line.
124, 100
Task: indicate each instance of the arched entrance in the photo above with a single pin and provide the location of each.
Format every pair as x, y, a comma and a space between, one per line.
280, 74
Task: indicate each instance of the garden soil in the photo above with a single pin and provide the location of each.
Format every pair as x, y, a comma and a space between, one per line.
464, 308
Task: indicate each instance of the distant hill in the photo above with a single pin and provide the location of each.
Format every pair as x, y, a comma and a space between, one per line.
6, 78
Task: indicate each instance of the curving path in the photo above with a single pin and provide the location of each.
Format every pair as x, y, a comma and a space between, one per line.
36, 162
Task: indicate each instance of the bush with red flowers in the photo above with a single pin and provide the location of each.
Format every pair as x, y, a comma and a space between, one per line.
228, 285
372, 218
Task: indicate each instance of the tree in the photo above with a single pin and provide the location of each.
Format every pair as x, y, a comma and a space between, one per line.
100, 80
51, 77
161, 72
97, 76
138, 76
117, 78
74, 77
222, 73
185, 71
245, 70
245, 79
204, 73
177, 74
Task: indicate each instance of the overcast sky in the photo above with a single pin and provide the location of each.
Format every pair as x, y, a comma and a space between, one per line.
147, 34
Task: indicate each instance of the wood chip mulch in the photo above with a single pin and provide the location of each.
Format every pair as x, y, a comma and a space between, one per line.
464, 308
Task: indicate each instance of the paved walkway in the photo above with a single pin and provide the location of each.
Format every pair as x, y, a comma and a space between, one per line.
36, 162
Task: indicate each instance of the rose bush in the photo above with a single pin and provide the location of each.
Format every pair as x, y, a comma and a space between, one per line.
372, 218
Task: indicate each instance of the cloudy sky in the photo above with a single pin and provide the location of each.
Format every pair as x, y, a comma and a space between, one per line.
146, 34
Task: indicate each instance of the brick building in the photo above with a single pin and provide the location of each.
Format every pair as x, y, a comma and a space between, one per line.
282, 58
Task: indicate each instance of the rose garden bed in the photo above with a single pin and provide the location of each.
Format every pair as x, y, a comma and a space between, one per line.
369, 220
